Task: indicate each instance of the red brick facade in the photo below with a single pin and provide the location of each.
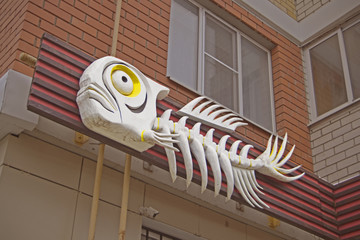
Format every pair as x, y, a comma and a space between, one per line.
143, 42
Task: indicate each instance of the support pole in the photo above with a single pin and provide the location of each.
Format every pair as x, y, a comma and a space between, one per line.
116, 28
126, 183
100, 160
125, 197
96, 192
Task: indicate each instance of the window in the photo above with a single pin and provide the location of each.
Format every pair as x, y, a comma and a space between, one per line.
150, 234
334, 71
154, 230
215, 59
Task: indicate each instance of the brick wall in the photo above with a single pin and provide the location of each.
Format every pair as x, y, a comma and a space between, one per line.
306, 7
143, 39
287, 6
84, 24
12, 15
336, 145
299, 9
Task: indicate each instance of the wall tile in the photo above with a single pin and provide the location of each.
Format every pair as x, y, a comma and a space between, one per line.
33, 208
3, 147
111, 185
213, 226
44, 160
255, 234
173, 210
107, 223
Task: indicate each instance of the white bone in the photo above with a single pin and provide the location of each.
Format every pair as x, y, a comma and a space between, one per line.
233, 149
246, 188
251, 189
266, 153
243, 155
185, 149
287, 171
240, 187
209, 112
253, 182
196, 146
226, 165
285, 159
199, 154
190, 106
212, 157
198, 109
169, 153
274, 150
281, 151
235, 122
222, 143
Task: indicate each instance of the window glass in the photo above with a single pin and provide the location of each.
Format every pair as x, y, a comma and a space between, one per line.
352, 46
220, 80
220, 83
220, 42
328, 75
256, 85
183, 43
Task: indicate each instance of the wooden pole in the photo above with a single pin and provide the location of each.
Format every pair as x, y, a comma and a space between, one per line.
125, 198
96, 192
126, 183
116, 28
100, 159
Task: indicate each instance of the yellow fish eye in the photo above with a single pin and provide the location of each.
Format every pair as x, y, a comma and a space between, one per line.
125, 81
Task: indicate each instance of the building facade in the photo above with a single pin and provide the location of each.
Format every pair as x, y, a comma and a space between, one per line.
285, 66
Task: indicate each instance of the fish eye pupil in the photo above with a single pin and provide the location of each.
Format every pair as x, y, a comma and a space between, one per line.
124, 79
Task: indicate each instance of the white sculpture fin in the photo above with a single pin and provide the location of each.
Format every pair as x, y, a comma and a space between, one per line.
211, 113
226, 165
212, 157
199, 154
169, 153
185, 149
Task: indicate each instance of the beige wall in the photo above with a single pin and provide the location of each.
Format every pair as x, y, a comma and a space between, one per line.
336, 145
45, 193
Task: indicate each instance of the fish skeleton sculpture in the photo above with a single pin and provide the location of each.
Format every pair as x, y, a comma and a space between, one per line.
116, 100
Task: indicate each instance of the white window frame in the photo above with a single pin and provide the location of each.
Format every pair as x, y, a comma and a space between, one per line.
313, 112
201, 56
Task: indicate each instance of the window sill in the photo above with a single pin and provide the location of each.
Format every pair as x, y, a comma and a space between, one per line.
332, 113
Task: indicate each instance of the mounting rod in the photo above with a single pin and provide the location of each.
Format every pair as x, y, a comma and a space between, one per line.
96, 192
